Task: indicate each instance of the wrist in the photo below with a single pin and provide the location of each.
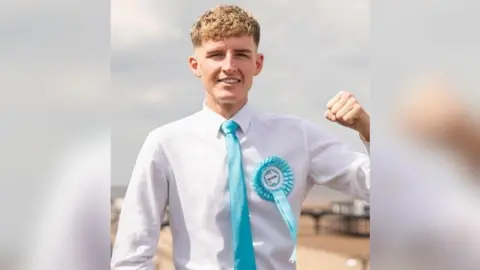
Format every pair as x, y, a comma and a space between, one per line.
467, 144
472, 148
364, 129
364, 136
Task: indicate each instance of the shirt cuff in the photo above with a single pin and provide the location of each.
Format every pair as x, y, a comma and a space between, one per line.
365, 144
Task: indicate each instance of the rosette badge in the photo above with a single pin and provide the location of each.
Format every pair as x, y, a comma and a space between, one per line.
273, 181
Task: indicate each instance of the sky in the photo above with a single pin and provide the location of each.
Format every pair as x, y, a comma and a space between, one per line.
312, 51
66, 64
310, 55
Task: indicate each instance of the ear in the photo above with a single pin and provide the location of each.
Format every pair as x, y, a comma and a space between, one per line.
193, 63
258, 63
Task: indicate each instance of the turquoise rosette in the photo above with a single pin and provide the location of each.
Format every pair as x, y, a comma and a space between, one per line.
273, 180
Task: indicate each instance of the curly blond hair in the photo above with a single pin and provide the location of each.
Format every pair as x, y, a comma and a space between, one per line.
224, 21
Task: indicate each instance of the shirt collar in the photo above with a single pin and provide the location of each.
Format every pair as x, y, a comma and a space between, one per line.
212, 121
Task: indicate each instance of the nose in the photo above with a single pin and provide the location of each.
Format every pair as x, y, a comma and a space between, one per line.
229, 64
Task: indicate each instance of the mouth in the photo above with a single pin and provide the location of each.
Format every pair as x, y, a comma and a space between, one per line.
229, 80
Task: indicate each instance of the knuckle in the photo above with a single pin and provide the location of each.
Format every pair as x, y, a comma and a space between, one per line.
346, 94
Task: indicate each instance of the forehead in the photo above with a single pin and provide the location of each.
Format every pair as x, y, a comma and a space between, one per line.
231, 43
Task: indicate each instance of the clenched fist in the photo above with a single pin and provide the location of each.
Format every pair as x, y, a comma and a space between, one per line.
436, 113
345, 110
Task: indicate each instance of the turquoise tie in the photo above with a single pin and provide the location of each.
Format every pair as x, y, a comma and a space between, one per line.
243, 253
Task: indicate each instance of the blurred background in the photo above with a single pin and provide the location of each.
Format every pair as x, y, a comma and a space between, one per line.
333, 236
83, 83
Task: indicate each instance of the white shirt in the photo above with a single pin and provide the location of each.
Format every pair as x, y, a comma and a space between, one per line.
74, 224
183, 165
426, 201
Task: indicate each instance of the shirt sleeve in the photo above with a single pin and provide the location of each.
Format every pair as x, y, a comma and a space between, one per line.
335, 165
143, 209
72, 230
424, 200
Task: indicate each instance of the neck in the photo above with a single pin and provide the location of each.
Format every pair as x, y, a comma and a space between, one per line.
227, 111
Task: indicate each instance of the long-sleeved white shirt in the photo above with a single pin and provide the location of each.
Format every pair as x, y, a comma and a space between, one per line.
73, 230
425, 211
183, 165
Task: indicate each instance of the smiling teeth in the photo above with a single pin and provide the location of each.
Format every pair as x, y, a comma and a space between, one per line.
229, 80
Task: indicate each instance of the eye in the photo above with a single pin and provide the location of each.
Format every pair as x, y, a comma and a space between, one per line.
215, 55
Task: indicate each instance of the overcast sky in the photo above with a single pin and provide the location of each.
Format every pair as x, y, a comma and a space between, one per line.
311, 53
58, 57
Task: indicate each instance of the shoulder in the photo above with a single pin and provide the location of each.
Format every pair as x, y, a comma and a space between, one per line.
277, 119
157, 140
173, 129
291, 122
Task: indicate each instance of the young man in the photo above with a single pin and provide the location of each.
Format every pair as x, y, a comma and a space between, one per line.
234, 178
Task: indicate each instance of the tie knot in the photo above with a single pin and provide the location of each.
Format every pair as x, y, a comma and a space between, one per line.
229, 126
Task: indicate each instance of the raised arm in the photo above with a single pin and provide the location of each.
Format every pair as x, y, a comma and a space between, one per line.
436, 112
334, 164
142, 210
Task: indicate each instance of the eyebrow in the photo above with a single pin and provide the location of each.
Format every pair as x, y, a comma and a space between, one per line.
237, 51
243, 51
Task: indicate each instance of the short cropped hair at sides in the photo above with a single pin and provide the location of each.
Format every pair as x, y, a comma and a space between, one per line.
222, 22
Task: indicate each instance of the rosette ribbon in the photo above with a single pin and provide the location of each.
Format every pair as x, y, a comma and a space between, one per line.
273, 180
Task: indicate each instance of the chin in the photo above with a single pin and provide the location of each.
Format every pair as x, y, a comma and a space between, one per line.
227, 95
227, 100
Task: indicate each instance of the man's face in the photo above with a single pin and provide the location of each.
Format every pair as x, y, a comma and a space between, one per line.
226, 68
